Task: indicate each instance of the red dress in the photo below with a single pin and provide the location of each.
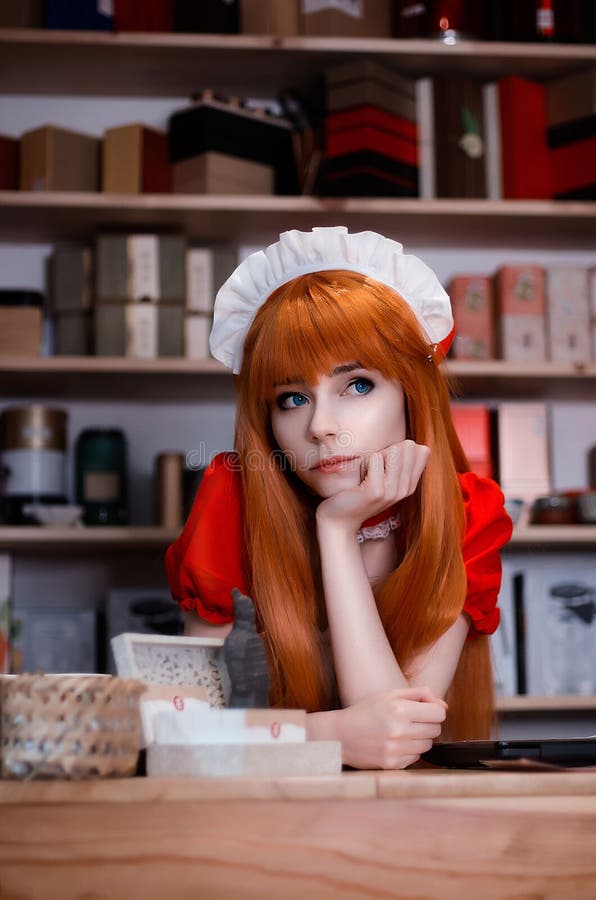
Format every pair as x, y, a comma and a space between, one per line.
206, 561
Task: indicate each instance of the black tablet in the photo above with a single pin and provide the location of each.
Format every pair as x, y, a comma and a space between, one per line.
477, 754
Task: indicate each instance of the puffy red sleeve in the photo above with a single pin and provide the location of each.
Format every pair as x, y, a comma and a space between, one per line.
205, 562
487, 529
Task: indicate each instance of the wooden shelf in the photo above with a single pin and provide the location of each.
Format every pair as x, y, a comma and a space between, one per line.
71, 377
565, 703
31, 216
77, 539
549, 537
67, 62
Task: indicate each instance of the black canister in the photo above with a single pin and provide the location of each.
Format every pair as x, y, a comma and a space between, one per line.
32, 460
101, 476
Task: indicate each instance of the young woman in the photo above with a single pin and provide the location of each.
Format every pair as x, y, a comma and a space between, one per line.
348, 511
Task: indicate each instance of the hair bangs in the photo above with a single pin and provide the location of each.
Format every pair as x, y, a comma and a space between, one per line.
316, 321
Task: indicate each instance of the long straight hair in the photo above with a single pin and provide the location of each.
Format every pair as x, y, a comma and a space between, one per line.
304, 329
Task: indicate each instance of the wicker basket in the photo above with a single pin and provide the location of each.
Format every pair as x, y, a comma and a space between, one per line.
69, 726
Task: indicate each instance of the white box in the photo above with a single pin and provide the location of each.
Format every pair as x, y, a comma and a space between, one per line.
196, 336
568, 314
200, 294
524, 468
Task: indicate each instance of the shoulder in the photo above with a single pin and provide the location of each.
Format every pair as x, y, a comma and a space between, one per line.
484, 510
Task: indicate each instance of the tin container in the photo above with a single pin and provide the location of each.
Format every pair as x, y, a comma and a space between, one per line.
32, 460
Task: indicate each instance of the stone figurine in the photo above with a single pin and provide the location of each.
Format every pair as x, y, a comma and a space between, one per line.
246, 658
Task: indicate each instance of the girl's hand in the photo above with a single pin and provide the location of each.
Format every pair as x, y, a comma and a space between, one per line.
386, 478
390, 730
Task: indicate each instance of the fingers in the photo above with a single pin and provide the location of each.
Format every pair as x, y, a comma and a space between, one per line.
394, 473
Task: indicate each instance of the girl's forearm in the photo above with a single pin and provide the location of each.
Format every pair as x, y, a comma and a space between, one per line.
364, 660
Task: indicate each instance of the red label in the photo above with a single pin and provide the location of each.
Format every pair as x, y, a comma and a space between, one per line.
178, 702
275, 729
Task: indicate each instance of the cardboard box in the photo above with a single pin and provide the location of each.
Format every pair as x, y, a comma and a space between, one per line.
197, 329
73, 334
136, 161
218, 173
473, 312
22, 14
524, 465
139, 330
20, 330
277, 17
56, 159
568, 314
346, 18
9, 163
140, 267
210, 125
71, 271
520, 310
472, 424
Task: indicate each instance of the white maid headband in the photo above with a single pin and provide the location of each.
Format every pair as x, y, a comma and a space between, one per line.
300, 252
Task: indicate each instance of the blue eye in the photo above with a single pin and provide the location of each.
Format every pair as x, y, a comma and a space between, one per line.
291, 401
361, 386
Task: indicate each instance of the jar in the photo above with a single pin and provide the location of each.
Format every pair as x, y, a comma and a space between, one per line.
570, 632
554, 509
32, 460
101, 476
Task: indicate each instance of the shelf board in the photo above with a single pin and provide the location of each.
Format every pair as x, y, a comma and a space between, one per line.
563, 703
72, 540
67, 62
67, 377
32, 216
547, 537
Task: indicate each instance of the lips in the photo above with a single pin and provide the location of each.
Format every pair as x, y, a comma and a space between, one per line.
336, 464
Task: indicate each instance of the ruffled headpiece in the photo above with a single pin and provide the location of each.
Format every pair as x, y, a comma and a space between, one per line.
322, 249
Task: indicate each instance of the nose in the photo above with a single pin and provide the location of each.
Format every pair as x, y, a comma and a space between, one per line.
322, 423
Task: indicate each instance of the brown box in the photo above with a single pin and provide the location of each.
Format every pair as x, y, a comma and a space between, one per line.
20, 331
22, 14
218, 173
135, 161
519, 306
56, 159
9, 163
571, 98
568, 314
277, 17
472, 304
346, 18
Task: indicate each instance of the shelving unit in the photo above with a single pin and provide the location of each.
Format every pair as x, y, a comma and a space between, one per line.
176, 65
169, 379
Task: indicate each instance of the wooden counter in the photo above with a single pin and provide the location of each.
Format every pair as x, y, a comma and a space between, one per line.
420, 833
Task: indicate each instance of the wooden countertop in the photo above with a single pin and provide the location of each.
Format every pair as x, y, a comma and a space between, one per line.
447, 835
349, 785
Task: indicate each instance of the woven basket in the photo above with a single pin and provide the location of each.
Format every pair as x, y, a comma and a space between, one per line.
69, 726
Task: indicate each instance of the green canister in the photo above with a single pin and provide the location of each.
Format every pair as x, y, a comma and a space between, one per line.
101, 476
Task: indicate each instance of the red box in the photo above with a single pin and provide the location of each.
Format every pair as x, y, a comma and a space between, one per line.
143, 15
472, 423
524, 151
473, 312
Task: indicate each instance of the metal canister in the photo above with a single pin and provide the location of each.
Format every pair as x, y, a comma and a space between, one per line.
101, 476
32, 459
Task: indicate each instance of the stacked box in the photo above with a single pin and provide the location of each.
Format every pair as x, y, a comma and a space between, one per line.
346, 18
370, 132
20, 322
139, 296
9, 163
82, 15
206, 270
592, 282
523, 450
571, 118
71, 299
22, 14
472, 424
520, 309
568, 314
235, 136
473, 313
278, 17
135, 160
56, 159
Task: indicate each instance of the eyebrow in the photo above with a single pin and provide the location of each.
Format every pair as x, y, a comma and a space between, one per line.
338, 370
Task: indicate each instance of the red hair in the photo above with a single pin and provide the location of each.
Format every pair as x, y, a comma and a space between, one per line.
303, 329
